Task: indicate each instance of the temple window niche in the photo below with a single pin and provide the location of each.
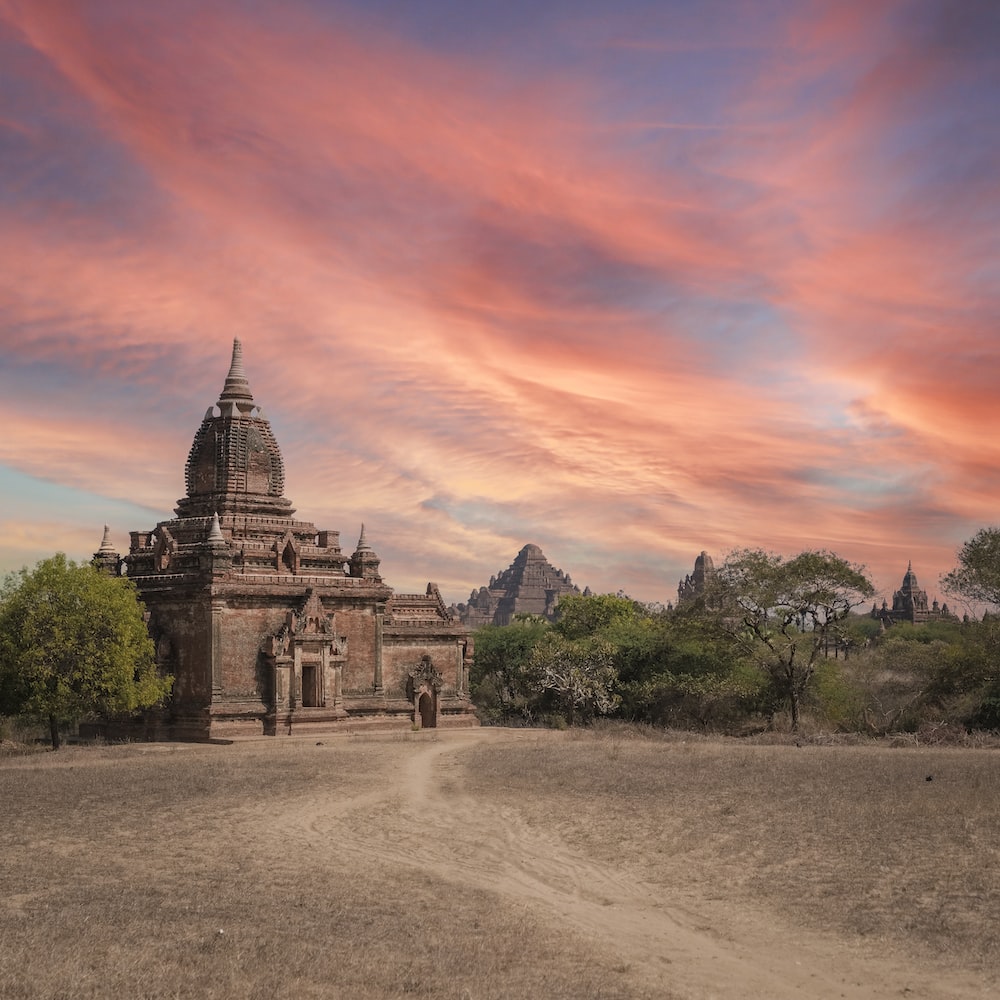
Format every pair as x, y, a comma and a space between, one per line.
288, 560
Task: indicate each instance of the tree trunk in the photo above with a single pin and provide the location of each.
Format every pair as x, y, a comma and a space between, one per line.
794, 696
54, 732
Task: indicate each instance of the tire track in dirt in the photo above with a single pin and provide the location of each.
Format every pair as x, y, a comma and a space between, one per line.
682, 944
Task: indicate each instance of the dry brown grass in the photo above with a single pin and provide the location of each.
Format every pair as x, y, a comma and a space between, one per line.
855, 839
302, 870
153, 872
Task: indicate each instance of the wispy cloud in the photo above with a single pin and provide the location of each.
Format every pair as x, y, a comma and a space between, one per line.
652, 293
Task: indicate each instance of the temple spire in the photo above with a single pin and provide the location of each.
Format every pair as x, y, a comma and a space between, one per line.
237, 386
106, 558
107, 546
363, 545
365, 561
234, 466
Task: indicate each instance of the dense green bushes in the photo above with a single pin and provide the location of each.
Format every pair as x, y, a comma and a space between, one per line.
609, 655
775, 643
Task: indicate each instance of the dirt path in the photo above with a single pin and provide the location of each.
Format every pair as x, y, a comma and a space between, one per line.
682, 945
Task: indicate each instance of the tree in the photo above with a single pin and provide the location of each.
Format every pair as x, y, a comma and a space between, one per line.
893, 680
784, 612
672, 670
73, 642
976, 675
966, 687
580, 615
977, 576
578, 673
501, 654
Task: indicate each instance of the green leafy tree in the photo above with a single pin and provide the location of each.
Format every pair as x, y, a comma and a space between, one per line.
579, 616
965, 687
891, 681
673, 671
73, 643
785, 613
579, 674
500, 686
977, 577
973, 675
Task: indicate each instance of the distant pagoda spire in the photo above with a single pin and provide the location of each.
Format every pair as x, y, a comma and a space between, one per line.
107, 546
106, 558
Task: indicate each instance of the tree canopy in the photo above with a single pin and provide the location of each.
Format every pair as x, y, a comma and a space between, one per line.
579, 616
784, 612
977, 576
73, 642
500, 658
607, 654
577, 674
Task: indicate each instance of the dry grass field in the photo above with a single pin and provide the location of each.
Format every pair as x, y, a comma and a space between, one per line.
491, 863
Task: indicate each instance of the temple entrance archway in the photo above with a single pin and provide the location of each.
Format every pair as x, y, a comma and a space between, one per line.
422, 687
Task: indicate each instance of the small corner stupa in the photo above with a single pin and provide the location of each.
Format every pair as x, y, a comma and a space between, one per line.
266, 624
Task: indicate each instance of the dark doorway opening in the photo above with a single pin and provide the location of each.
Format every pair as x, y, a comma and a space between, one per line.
428, 717
310, 695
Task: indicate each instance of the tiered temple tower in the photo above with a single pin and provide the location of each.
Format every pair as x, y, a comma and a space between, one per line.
531, 585
693, 585
267, 625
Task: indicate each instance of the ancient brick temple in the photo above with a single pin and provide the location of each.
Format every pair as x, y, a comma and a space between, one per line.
267, 625
531, 585
693, 585
909, 604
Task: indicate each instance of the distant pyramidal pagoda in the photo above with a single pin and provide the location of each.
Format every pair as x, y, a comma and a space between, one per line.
266, 624
531, 585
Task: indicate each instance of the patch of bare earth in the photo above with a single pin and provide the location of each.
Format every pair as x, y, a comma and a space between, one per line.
489, 863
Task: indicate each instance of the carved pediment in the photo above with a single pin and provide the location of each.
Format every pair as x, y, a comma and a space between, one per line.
164, 549
306, 624
312, 617
424, 676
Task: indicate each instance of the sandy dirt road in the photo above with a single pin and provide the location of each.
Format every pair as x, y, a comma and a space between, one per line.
673, 943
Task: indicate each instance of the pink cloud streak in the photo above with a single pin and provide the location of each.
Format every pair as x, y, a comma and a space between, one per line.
355, 207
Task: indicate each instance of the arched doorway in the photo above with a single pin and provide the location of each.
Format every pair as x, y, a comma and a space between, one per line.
422, 687
425, 706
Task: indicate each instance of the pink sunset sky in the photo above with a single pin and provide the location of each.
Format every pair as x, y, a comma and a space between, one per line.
627, 280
